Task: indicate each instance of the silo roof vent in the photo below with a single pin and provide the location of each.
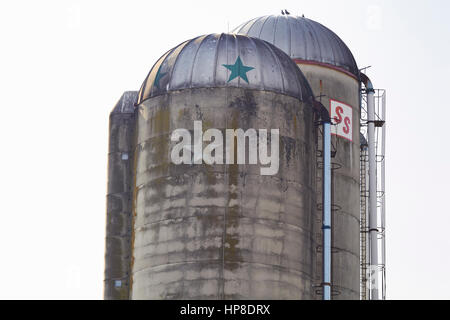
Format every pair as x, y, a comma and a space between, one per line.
225, 60
302, 39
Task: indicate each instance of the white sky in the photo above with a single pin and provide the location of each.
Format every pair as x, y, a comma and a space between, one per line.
64, 64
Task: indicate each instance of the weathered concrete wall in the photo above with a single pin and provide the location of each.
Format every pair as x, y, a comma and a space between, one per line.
119, 198
345, 188
223, 231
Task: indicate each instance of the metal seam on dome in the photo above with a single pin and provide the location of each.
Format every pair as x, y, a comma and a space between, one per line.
150, 85
254, 23
332, 47
140, 92
290, 34
160, 63
346, 53
273, 20
216, 57
144, 84
242, 26
184, 44
352, 68
195, 58
279, 65
204, 42
314, 38
301, 83
341, 50
344, 50
304, 39
304, 83
275, 29
238, 49
262, 26
162, 59
259, 62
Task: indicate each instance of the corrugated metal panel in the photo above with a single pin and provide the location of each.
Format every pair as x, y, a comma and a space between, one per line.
301, 38
225, 60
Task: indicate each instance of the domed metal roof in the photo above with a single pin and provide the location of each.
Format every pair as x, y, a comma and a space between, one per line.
302, 39
225, 60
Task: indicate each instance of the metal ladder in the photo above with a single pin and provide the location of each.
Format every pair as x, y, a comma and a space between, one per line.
363, 226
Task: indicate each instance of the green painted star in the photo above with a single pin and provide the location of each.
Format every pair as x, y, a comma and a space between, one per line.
238, 70
158, 77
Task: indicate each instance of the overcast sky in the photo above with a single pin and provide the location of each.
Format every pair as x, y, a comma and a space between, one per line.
64, 64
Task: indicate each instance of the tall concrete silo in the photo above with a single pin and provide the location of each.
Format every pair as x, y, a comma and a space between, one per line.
119, 198
331, 70
224, 231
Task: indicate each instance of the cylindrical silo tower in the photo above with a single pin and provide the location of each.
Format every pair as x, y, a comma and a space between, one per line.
119, 198
224, 231
331, 70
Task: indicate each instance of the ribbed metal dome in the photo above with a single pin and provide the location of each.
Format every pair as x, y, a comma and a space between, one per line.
225, 60
302, 39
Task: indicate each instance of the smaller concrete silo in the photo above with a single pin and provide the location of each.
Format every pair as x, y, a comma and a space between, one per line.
119, 198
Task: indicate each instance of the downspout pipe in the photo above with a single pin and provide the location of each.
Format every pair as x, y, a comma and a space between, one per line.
383, 203
326, 200
373, 219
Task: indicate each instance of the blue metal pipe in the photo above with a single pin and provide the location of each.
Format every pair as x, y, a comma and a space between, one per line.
326, 193
326, 220
373, 214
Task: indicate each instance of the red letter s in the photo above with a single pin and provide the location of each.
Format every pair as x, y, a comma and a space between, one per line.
339, 110
347, 125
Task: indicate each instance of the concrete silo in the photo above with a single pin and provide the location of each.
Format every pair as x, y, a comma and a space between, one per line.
119, 198
331, 70
224, 231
